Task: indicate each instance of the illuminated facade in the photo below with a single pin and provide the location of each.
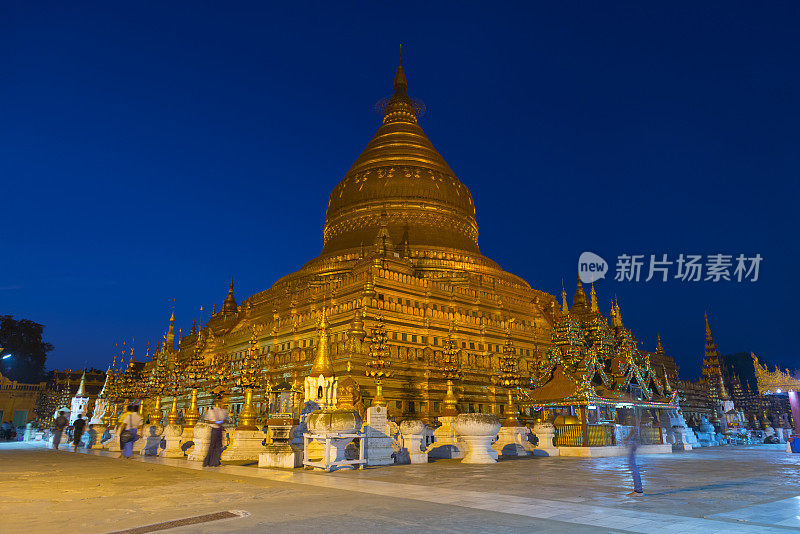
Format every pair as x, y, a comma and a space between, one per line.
400, 243
18, 400
401, 257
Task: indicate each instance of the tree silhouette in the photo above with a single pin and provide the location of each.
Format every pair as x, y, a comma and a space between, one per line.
23, 340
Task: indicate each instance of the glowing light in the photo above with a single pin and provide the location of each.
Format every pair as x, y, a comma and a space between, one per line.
6, 356
777, 391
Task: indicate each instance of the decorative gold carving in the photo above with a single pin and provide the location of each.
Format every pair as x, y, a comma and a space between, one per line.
773, 381
378, 364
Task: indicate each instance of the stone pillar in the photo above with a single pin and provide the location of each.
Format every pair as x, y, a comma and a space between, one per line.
201, 438
680, 442
99, 430
243, 445
174, 440
143, 432
513, 441
584, 425
546, 433
478, 431
152, 441
113, 443
280, 450
379, 440
412, 441
445, 441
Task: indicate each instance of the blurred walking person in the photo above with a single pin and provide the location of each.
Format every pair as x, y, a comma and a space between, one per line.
58, 428
216, 417
77, 431
128, 430
633, 445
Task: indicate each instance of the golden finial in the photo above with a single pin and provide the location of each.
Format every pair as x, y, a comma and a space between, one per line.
400, 83
595, 307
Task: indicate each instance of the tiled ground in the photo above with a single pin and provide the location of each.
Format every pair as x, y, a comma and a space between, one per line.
695, 484
710, 490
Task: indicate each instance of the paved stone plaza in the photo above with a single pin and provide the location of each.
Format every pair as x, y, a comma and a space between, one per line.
711, 490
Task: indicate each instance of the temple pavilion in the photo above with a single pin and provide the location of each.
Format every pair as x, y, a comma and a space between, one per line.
596, 382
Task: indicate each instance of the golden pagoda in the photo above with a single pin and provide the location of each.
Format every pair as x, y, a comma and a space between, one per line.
401, 257
401, 243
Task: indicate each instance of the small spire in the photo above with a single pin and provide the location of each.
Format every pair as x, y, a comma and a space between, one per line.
579, 300
170, 337
564, 307
383, 240
659, 348
229, 306
102, 393
708, 328
595, 307
82, 387
400, 83
322, 362
667, 385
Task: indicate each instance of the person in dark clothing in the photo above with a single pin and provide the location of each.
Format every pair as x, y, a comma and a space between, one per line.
77, 431
59, 424
216, 417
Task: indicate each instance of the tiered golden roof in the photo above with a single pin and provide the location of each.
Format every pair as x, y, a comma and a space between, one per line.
400, 174
401, 195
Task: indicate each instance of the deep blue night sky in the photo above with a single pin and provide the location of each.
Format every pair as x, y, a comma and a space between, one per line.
149, 152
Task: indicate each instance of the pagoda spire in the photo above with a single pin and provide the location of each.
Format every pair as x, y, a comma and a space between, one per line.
712, 367
229, 306
659, 348
564, 307
322, 362
579, 301
594, 306
170, 337
102, 393
711, 352
400, 82
320, 386
82, 387
667, 385
400, 107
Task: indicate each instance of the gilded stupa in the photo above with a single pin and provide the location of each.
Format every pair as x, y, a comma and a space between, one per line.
400, 249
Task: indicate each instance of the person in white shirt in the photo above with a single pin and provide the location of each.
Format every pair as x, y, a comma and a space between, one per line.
130, 420
215, 416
